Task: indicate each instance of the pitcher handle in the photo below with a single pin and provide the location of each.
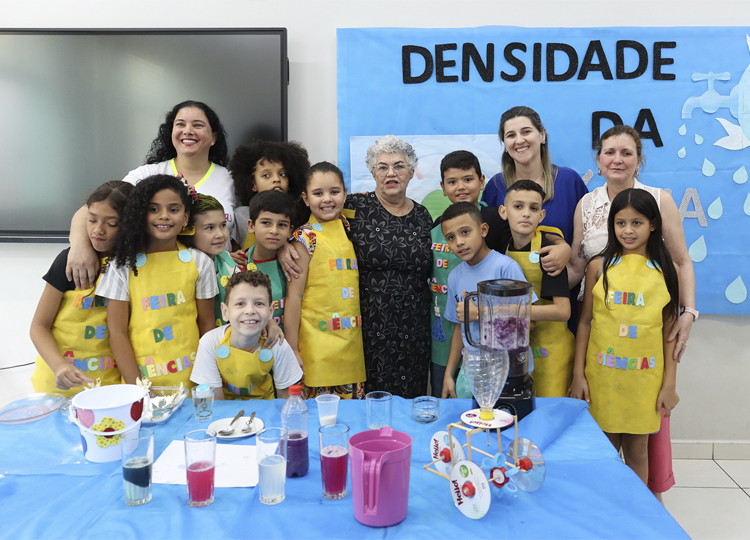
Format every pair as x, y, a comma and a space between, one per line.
467, 326
372, 483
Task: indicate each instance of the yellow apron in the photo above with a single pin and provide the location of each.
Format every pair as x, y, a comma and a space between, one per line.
245, 375
80, 332
330, 333
552, 344
164, 316
625, 355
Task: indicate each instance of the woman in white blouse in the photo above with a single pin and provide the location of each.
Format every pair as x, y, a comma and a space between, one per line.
619, 158
192, 143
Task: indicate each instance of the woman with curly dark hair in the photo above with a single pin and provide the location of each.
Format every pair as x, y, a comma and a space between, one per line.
190, 142
164, 146
262, 166
160, 292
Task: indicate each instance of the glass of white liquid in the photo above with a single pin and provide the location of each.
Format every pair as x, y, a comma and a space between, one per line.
328, 408
271, 452
137, 464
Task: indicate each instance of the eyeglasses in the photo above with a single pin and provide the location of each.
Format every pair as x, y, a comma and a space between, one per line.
381, 169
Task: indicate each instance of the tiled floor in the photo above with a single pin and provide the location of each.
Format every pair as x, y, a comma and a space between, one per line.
711, 499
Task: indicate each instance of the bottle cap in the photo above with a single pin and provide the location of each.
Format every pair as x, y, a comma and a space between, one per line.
202, 391
295, 390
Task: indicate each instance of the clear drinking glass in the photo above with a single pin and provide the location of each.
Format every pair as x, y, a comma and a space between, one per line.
137, 463
200, 462
203, 402
379, 413
271, 452
425, 409
334, 459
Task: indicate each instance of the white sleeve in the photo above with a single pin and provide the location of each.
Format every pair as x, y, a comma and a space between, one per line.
205, 369
206, 287
114, 283
286, 370
144, 171
134, 176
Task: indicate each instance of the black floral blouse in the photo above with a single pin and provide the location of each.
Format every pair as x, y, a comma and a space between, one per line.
394, 258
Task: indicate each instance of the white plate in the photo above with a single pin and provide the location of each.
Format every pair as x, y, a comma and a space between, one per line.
238, 426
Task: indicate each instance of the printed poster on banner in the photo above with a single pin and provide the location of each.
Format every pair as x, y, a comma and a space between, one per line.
686, 90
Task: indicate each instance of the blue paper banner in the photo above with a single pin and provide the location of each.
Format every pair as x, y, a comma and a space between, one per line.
686, 90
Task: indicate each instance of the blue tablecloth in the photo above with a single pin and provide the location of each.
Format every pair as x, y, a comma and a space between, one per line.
49, 490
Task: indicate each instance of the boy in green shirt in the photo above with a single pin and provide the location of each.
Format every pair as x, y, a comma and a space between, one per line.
270, 219
462, 181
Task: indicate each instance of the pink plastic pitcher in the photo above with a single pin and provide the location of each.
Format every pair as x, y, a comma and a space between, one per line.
380, 461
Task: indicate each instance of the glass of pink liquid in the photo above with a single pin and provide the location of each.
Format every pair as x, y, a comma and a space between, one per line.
334, 459
200, 461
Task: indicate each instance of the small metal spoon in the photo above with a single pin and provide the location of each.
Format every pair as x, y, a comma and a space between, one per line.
249, 424
229, 429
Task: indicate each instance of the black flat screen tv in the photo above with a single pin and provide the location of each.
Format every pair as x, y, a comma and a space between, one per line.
81, 107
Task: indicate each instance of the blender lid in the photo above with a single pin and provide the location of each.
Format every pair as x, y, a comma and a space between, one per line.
504, 287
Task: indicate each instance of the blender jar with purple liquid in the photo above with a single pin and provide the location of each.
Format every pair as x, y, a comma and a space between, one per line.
504, 313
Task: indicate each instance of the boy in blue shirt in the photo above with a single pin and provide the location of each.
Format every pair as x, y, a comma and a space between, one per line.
465, 233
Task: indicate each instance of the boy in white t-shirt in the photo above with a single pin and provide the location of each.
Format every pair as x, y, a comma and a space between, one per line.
232, 359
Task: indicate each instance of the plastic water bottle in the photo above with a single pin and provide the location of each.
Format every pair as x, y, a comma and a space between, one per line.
294, 418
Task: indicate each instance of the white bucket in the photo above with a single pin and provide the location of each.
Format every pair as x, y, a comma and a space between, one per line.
104, 413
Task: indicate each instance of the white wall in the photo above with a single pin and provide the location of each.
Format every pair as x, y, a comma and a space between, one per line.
714, 373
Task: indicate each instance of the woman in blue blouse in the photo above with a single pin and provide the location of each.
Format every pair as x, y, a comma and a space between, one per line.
526, 156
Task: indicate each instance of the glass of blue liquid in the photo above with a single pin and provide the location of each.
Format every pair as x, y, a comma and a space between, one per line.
137, 465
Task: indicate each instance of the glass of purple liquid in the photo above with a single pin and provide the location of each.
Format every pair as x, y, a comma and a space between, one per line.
334, 459
297, 456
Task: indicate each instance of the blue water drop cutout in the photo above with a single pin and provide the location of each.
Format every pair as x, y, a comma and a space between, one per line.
698, 250
708, 168
740, 175
736, 292
716, 209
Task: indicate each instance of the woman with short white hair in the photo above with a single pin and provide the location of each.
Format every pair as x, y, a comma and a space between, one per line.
391, 236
